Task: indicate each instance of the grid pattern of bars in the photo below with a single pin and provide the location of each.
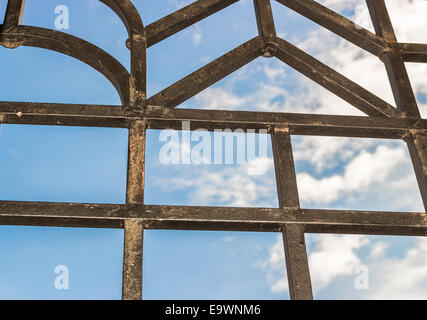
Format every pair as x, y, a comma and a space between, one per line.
140, 113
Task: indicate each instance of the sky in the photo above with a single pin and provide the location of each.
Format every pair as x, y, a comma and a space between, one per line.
75, 164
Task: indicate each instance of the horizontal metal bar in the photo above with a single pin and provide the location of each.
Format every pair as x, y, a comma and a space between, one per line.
414, 52
165, 118
213, 218
183, 18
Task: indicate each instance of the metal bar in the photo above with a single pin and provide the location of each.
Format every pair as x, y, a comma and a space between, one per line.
136, 162
287, 190
164, 118
296, 262
337, 24
335, 82
183, 18
417, 144
414, 52
137, 45
393, 59
213, 218
293, 235
208, 75
14, 12
133, 246
132, 260
265, 22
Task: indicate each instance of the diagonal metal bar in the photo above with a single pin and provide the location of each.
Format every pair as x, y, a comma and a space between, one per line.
335, 82
183, 18
208, 75
337, 24
14, 13
393, 60
293, 235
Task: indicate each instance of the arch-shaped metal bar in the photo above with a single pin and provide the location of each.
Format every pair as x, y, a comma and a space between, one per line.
138, 46
73, 47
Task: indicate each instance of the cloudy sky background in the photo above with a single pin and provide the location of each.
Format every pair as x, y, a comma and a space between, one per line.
89, 164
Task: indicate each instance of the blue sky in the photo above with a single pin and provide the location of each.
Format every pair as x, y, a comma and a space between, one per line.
42, 163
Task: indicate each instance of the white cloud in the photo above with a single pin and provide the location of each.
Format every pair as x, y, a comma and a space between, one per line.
334, 256
361, 172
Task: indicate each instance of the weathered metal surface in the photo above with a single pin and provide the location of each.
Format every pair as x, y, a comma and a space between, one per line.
213, 218
393, 60
293, 235
338, 24
132, 260
138, 114
183, 18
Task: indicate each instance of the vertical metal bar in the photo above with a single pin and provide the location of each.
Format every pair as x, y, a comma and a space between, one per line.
393, 60
293, 235
136, 162
132, 257
402, 90
417, 145
265, 21
14, 12
296, 262
132, 260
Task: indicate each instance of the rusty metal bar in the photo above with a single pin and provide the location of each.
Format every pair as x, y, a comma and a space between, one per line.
417, 144
136, 162
287, 189
208, 75
296, 262
338, 24
265, 22
132, 260
414, 52
14, 12
393, 60
293, 235
335, 82
132, 257
213, 218
164, 118
137, 45
183, 18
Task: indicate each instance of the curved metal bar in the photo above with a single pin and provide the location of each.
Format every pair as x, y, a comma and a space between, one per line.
128, 14
73, 47
138, 46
